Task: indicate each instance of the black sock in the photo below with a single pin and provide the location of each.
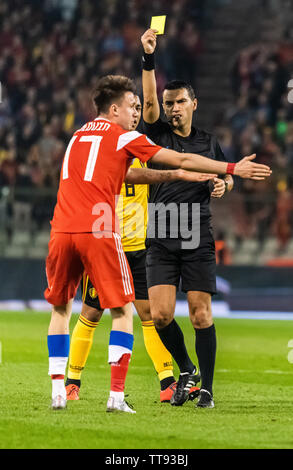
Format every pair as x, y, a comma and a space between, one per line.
165, 383
205, 347
73, 381
173, 339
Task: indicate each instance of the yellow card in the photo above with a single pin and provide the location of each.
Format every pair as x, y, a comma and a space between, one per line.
158, 23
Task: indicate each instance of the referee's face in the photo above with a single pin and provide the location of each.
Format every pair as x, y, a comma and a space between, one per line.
179, 108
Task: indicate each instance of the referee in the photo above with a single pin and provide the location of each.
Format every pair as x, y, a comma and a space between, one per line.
169, 260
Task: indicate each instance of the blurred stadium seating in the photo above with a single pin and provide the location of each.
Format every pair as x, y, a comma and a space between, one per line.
237, 55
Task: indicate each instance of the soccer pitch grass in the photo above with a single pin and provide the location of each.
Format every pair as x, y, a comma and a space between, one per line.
253, 392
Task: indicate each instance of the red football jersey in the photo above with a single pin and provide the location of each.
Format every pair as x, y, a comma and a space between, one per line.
94, 167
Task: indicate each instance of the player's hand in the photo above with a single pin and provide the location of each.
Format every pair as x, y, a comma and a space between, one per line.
149, 41
248, 169
219, 188
194, 176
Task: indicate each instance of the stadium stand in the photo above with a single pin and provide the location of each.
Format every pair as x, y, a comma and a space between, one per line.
251, 111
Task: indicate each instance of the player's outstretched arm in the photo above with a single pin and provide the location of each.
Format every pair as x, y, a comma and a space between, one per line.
245, 168
151, 107
149, 176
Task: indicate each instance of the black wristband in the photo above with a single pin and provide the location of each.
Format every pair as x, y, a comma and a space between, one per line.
148, 61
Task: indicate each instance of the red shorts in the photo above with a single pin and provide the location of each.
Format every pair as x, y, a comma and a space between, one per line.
70, 254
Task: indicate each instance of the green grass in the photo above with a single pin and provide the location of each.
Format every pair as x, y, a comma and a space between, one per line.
253, 392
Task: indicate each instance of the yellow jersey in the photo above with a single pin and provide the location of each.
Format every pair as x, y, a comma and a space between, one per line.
132, 211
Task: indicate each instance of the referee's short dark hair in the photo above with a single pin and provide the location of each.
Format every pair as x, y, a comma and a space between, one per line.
177, 84
111, 89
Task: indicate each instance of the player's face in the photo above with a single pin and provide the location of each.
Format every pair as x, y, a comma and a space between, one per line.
138, 109
178, 107
127, 113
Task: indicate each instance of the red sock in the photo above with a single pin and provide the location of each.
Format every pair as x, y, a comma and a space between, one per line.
118, 373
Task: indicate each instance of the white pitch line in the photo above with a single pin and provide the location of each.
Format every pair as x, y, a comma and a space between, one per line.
220, 310
245, 371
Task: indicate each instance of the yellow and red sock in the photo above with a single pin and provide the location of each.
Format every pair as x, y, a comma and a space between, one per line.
81, 343
158, 353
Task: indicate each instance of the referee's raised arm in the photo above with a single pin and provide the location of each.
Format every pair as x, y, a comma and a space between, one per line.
151, 106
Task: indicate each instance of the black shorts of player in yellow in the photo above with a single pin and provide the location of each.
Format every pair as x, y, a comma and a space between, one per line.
136, 261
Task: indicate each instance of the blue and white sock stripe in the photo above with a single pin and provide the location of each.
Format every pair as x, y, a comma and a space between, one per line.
58, 347
57, 365
120, 343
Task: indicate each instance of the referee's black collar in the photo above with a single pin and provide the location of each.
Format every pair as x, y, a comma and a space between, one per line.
192, 134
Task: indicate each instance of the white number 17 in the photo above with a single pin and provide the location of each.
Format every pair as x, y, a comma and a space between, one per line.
92, 158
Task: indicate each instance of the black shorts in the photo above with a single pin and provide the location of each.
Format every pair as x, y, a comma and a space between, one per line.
136, 261
167, 263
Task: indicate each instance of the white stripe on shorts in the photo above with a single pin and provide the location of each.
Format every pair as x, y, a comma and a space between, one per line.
123, 265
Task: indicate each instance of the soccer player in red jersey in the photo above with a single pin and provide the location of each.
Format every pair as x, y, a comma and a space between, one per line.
85, 231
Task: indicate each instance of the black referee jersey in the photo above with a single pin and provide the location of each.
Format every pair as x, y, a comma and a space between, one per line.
178, 192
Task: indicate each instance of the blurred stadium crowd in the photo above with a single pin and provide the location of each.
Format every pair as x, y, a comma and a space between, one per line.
51, 55
261, 121
53, 51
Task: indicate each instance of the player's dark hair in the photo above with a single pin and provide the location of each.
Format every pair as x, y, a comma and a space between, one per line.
177, 84
111, 89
